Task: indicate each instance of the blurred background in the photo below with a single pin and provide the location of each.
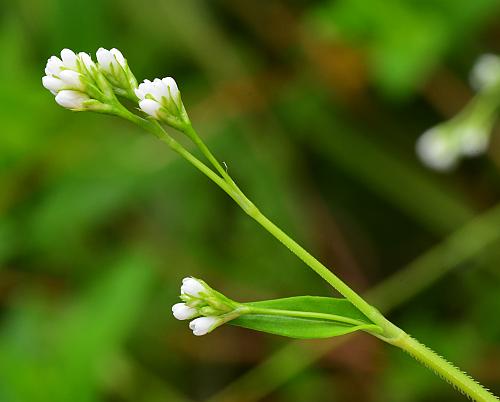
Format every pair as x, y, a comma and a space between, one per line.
315, 106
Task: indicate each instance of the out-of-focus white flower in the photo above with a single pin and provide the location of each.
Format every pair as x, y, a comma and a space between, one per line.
116, 70
486, 72
72, 78
437, 150
203, 325
466, 135
161, 100
72, 99
192, 287
182, 311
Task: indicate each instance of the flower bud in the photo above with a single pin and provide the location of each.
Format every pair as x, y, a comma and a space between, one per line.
116, 70
75, 79
69, 59
201, 300
73, 100
192, 287
182, 311
437, 150
204, 325
486, 72
161, 100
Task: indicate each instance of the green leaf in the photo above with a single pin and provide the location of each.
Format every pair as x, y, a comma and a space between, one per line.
281, 322
317, 304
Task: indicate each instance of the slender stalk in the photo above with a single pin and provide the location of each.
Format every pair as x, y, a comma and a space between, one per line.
444, 369
193, 135
154, 128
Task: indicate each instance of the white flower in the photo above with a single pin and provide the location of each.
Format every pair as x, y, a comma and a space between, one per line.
54, 66
192, 287
486, 71
161, 100
72, 99
68, 77
150, 107
182, 311
69, 59
437, 150
203, 325
63, 74
116, 70
87, 61
158, 89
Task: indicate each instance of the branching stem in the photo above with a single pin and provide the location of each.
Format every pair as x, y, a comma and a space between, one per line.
386, 330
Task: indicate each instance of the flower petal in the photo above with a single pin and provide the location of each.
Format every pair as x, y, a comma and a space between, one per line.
69, 59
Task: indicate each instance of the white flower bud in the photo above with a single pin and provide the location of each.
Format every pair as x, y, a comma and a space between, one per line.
150, 107
69, 59
203, 325
119, 57
182, 311
72, 80
192, 287
437, 151
54, 66
486, 71
116, 70
166, 94
53, 84
105, 59
72, 99
87, 61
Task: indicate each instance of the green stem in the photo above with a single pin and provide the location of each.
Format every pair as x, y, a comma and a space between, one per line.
193, 135
459, 379
307, 314
154, 128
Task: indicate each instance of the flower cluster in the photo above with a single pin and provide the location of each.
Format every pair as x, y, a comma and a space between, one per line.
161, 100
116, 70
79, 83
69, 79
211, 307
468, 133
441, 147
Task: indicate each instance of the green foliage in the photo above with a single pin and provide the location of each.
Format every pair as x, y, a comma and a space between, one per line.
64, 354
404, 39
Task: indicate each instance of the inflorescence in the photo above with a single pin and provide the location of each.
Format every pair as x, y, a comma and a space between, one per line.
81, 84
468, 133
207, 308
